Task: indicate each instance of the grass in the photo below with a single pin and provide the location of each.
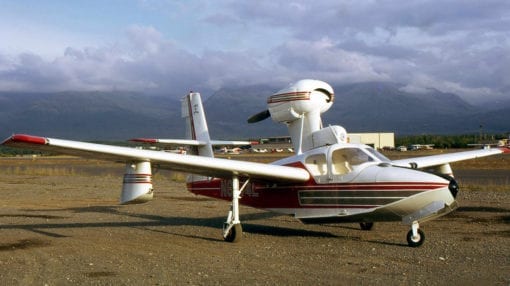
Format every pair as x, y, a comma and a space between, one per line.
483, 187
72, 166
39, 171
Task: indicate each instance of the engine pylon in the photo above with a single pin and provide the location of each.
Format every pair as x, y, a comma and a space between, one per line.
300, 106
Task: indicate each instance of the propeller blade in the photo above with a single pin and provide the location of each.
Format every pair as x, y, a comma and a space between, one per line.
259, 116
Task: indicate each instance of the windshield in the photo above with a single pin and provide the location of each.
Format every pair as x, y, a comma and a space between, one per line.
377, 155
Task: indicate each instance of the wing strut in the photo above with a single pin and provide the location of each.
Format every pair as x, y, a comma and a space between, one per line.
232, 230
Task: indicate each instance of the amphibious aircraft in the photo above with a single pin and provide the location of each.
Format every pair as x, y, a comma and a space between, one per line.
327, 180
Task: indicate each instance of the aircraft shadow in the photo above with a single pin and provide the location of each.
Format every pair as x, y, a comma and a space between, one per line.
154, 223
149, 222
283, 231
483, 209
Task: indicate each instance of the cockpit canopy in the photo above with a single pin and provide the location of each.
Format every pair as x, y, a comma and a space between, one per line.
340, 162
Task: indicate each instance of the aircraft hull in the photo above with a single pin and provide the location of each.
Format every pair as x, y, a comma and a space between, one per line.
319, 203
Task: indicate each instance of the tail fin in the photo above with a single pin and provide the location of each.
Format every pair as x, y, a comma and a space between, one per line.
196, 124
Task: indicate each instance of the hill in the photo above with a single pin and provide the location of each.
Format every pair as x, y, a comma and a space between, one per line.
384, 106
89, 115
363, 107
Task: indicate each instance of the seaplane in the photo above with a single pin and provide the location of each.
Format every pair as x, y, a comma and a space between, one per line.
326, 180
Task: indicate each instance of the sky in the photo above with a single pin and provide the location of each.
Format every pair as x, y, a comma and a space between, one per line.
171, 47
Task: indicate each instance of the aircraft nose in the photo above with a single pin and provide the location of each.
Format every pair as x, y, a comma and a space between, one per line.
388, 173
453, 187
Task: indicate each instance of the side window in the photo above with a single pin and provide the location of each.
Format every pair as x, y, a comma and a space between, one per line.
317, 164
346, 160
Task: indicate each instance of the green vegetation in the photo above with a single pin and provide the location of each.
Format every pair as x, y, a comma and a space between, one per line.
39, 171
9, 152
448, 141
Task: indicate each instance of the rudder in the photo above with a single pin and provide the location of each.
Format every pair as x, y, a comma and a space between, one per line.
196, 124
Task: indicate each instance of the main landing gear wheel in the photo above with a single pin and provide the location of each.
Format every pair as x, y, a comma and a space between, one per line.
415, 240
366, 225
232, 230
234, 234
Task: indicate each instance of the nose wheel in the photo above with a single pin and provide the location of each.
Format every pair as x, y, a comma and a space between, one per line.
233, 233
415, 236
366, 225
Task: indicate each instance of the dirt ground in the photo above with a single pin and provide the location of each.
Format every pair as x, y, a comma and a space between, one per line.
60, 224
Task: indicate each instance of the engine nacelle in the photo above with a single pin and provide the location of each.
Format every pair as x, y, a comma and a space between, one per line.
328, 136
299, 106
137, 183
306, 96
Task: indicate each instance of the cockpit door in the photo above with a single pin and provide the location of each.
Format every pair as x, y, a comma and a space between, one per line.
317, 165
346, 163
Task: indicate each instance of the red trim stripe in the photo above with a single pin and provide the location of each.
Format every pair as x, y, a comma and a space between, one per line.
192, 119
505, 150
144, 140
290, 96
137, 179
365, 186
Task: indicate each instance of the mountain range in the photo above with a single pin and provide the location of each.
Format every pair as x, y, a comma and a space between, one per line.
361, 107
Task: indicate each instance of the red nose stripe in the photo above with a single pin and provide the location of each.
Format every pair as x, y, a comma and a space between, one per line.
505, 149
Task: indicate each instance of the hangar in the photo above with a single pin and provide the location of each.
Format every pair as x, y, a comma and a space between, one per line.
377, 140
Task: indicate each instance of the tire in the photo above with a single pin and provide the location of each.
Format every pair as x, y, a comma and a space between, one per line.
366, 225
235, 233
415, 241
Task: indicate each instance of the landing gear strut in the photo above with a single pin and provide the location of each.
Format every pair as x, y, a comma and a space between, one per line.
415, 236
232, 230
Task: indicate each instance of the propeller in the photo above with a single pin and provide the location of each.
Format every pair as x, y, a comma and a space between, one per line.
259, 116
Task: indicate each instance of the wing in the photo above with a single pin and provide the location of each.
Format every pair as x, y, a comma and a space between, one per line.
436, 160
207, 166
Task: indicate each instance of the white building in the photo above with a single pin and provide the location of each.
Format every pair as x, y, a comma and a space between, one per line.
376, 140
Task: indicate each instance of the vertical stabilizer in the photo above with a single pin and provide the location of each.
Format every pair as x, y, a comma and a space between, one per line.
196, 124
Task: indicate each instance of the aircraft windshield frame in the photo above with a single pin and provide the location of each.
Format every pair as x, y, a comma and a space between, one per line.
378, 155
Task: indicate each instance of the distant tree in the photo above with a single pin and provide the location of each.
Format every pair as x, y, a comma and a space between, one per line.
445, 141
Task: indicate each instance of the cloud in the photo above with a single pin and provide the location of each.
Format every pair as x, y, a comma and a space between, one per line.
324, 60
30, 72
453, 43
146, 62
454, 46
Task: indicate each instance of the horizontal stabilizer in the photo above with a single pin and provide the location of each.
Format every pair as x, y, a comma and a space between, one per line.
189, 142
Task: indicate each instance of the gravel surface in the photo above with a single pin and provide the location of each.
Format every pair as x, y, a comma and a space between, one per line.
67, 228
